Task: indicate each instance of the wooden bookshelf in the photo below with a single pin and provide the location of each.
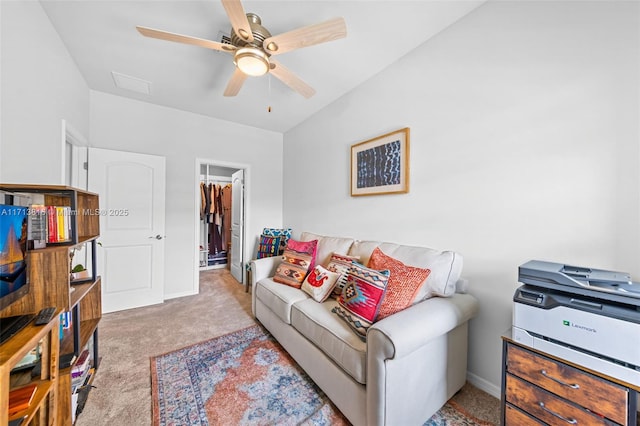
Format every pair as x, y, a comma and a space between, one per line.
43, 408
50, 283
85, 218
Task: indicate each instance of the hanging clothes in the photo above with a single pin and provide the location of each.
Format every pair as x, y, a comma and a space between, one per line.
226, 216
215, 220
215, 213
202, 200
205, 201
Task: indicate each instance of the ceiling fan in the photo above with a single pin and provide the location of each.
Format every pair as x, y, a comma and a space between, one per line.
253, 46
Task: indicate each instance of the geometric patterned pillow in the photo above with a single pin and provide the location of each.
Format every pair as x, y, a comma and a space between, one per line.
361, 297
340, 263
404, 283
279, 232
309, 247
297, 261
319, 283
268, 246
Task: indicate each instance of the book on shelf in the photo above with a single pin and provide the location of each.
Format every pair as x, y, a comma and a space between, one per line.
37, 232
82, 365
52, 225
81, 371
58, 224
79, 381
20, 399
61, 226
66, 319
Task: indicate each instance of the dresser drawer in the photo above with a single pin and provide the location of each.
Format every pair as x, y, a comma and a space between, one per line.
516, 417
546, 406
592, 393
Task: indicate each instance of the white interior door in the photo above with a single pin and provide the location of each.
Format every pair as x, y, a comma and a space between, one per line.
132, 225
237, 225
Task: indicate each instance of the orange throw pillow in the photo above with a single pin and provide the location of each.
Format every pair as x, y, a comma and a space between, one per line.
404, 282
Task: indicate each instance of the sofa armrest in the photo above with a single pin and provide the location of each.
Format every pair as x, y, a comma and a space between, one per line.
263, 268
260, 269
402, 333
417, 359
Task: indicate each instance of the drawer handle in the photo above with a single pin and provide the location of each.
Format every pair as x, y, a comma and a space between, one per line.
569, 385
570, 421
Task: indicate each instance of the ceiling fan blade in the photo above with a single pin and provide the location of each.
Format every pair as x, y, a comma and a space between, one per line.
238, 19
332, 29
291, 80
235, 84
179, 38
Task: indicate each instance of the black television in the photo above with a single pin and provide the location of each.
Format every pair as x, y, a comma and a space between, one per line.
14, 282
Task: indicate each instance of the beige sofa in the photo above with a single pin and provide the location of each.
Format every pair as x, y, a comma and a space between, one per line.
411, 363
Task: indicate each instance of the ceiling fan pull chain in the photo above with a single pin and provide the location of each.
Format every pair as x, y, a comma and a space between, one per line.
269, 92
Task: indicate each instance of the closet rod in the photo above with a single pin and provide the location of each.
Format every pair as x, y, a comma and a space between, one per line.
212, 179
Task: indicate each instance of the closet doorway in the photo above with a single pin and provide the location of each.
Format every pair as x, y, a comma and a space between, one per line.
220, 203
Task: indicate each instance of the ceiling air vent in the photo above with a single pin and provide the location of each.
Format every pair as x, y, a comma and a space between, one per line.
134, 84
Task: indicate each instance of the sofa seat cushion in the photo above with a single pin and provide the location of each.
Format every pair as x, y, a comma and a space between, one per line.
332, 335
279, 297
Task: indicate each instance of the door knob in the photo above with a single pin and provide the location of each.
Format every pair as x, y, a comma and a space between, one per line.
158, 237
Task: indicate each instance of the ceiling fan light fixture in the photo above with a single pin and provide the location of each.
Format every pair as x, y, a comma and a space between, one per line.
252, 61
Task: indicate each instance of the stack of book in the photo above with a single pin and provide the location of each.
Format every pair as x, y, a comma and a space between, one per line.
58, 224
80, 371
81, 376
50, 223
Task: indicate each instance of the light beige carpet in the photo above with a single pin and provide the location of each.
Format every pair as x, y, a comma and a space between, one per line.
127, 339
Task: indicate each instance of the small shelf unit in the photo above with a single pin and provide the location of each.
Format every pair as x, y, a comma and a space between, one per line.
43, 407
51, 283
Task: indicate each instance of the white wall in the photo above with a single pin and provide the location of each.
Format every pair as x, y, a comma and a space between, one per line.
40, 86
128, 125
524, 145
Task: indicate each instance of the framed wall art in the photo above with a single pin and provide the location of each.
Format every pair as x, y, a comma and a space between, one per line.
381, 165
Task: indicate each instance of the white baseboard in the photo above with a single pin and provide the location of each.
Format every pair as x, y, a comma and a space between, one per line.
484, 385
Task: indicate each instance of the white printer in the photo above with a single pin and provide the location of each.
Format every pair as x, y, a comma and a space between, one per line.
590, 317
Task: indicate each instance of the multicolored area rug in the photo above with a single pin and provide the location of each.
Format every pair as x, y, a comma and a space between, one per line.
246, 377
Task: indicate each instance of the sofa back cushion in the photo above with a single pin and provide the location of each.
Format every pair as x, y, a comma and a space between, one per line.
445, 266
327, 246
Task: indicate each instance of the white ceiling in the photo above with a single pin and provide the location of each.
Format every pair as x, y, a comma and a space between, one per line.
101, 37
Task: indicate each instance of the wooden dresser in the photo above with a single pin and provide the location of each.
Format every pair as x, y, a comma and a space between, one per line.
539, 389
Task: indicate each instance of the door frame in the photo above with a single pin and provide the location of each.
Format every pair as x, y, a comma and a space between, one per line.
79, 156
196, 213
